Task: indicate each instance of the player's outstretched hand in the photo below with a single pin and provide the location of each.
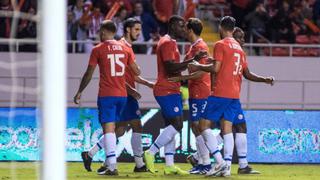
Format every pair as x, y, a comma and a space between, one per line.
174, 79
151, 84
76, 98
194, 66
270, 80
200, 54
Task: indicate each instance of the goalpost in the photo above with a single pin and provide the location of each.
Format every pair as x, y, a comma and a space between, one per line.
53, 83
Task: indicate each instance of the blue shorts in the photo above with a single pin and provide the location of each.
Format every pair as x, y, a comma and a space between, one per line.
219, 107
197, 108
171, 105
132, 110
110, 108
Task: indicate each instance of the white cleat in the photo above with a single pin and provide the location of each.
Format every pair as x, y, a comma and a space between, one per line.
217, 169
226, 172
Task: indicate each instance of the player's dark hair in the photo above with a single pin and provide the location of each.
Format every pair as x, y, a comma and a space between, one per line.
237, 32
108, 25
173, 20
228, 23
129, 23
196, 25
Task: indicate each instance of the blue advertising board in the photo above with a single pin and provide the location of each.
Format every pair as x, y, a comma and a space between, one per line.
273, 136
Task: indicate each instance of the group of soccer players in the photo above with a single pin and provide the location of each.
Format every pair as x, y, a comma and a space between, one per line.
214, 87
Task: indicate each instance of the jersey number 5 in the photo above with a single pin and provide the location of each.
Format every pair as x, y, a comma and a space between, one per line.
238, 66
115, 60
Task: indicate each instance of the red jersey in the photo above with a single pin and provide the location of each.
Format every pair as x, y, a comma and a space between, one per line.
167, 49
112, 58
233, 61
129, 74
199, 88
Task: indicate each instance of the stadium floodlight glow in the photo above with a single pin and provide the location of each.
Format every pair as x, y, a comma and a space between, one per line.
53, 92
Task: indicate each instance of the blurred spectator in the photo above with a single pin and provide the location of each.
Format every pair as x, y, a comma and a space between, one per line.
118, 20
96, 18
149, 26
163, 10
316, 12
124, 3
5, 23
28, 29
239, 9
71, 28
281, 26
256, 22
298, 20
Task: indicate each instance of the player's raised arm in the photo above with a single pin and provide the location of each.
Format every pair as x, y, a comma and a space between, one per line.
256, 78
213, 67
194, 75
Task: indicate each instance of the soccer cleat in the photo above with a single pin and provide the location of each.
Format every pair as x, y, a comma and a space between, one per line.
174, 170
86, 160
149, 160
190, 159
102, 170
108, 172
205, 169
196, 170
217, 169
141, 169
226, 172
247, 170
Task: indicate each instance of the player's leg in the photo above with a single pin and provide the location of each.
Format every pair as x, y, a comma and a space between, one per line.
171, 107
136, 143
228, 142
241, 145
212, 114
197, 107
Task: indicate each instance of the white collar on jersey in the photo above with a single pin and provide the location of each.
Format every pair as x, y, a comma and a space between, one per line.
196, 42
167, 35
109, 40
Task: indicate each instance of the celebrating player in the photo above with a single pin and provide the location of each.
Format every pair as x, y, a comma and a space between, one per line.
131, 115
112, 57
199, 89
168, 95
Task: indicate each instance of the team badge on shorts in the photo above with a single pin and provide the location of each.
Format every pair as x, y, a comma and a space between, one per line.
176, 109
240, 116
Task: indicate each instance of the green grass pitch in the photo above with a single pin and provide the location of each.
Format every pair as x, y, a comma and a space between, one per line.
75, 171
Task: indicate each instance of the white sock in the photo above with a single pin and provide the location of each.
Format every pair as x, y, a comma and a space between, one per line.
164, 138
202, 150
169, 151
228, 142
241, 146
196, 155
96, 148
136, 144
219, 139
110, 149
211, 143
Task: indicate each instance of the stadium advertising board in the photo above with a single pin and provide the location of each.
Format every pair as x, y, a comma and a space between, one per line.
273, 136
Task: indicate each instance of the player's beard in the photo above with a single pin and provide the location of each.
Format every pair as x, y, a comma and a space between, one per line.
133, 38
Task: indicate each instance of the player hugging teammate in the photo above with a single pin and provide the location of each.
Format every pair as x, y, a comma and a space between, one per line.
214, 88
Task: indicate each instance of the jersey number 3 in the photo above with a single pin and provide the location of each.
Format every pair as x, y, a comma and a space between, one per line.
115, 60
238, 66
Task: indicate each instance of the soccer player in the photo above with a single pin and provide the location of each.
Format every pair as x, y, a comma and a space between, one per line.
131, 115
168, 95
199, 84
223, 104
112, 58
240, 122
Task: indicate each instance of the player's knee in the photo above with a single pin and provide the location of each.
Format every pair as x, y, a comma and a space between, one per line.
178, 125
120, 131
195, 129
241, 128
136, 126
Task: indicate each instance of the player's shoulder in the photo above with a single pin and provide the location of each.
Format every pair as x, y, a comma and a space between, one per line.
166, 39
201, 45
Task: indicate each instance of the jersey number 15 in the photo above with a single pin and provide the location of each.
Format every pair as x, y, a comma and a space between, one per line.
115, 60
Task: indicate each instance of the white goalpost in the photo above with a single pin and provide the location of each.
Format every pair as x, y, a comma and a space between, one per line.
53, 91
